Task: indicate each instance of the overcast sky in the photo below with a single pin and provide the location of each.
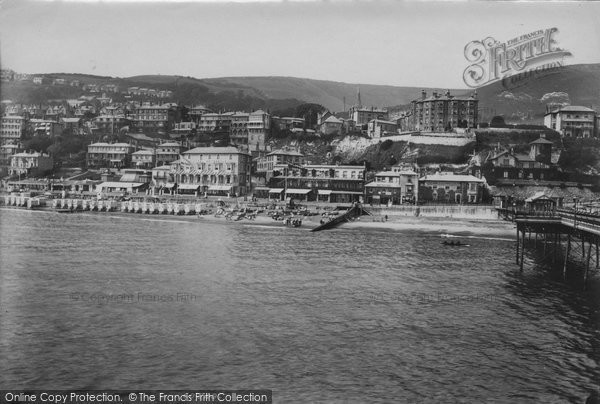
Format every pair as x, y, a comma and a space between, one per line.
397, 43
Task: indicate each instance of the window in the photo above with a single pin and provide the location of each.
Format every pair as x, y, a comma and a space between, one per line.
505, 174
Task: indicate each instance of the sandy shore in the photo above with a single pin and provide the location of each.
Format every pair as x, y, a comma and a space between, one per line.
443, 226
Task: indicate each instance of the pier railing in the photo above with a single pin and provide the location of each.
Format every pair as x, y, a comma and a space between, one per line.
570, 217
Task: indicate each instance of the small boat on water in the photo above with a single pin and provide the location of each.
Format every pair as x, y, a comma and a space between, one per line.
454, 244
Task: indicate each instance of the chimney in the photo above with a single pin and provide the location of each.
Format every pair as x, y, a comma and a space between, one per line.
423, 94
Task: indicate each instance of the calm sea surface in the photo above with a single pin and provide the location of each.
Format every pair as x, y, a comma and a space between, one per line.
100, 301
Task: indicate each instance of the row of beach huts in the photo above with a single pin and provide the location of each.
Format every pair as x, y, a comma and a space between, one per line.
73, 205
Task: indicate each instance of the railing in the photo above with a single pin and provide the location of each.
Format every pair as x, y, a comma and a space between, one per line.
576, 219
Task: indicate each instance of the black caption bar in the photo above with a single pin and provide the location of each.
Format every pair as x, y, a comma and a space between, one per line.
136, 397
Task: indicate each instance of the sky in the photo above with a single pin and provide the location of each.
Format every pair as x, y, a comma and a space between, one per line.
405, 43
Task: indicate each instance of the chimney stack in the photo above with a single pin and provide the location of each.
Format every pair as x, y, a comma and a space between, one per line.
423, 94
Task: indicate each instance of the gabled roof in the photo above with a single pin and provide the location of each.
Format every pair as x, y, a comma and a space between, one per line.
541, 140
332, 119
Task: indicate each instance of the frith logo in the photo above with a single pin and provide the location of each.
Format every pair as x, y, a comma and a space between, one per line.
493, 61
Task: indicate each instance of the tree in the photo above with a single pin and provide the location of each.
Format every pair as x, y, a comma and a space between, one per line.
309, 112
497, 122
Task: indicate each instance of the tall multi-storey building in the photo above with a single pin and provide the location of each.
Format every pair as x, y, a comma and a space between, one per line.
572, 121
238, 130
11, 129
441, 113
213, 170
259, 128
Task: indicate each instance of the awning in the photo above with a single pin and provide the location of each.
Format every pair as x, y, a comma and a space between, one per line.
168, 186
261, 188
189, 186
298, 191
120, 185
116, 160
219, 188
346, 192
276, 190
325, 192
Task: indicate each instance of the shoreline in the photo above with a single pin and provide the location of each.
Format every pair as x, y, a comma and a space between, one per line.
453, 227
441, 225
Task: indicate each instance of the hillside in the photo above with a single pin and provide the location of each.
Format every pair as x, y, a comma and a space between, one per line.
519, 100
330, 94
524, 100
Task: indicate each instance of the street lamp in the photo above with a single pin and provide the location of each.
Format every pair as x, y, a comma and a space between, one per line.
575, 200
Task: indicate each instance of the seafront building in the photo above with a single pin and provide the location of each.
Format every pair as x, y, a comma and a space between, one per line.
393, 188
311, 182
266, 164
209, 170
447, 187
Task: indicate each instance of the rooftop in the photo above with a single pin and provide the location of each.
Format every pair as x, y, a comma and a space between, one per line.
214, 150
449, 177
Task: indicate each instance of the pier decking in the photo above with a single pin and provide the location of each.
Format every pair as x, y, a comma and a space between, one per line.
558, 231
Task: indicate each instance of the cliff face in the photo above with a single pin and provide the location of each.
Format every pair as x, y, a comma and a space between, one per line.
378, 153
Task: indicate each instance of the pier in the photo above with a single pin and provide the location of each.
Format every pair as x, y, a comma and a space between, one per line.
564, 236
352, 213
